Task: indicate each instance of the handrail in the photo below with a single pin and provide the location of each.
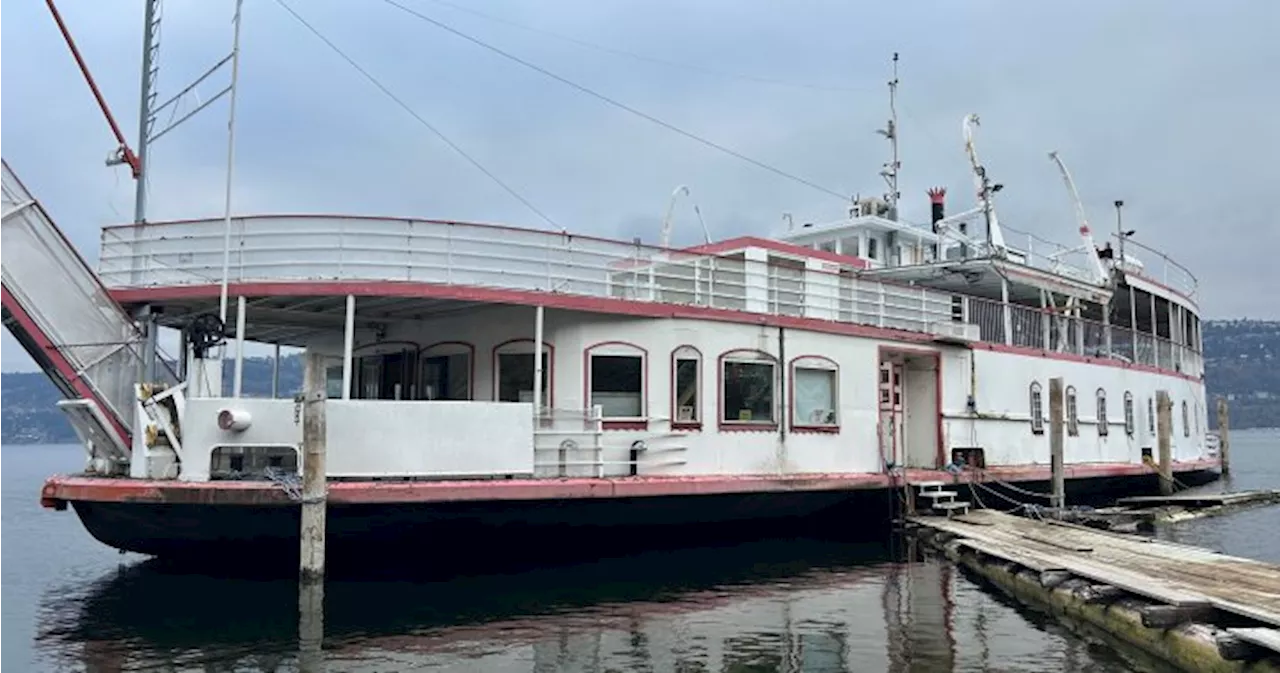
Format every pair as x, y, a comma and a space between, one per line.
1190, 284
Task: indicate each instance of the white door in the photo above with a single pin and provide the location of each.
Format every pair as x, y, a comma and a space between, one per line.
891, 416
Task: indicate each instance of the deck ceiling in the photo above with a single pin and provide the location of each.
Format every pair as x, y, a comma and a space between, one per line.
982, 278
294, 321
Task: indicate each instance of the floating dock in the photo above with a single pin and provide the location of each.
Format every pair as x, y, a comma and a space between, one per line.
1195, 608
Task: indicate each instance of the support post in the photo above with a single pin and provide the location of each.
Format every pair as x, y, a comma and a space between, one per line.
275, 374
1133, 317
1164, 440
1058, 499
1224, 437
312, 536
239, 370
314, 430
1006, 312
348, 345
537, 367
151, 349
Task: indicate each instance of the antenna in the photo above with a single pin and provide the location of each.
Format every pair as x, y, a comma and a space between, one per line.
890, 132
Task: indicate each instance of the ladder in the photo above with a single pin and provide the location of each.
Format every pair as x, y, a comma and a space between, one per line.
940, 501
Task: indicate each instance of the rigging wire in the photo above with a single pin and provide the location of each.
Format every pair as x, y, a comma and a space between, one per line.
438, 133
623, 106
643, 57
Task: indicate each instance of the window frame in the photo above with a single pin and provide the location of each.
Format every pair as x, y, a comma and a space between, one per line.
746, 356
1130, 419
680, 353
1035, 393
618, 349
448, 348
524, 346
813, 363
1104, 425
1071, 406
1186, 420
1151, 416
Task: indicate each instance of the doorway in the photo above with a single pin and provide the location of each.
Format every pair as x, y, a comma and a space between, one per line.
909, 420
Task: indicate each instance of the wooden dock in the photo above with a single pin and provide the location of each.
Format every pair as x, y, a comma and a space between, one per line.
1194, 607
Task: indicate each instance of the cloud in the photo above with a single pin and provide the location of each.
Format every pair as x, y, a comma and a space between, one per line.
1165, 105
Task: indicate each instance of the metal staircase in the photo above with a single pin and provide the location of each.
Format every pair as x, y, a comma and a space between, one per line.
56, 307
939, 501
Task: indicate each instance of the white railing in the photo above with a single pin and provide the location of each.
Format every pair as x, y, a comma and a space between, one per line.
314, 248
331, 248
1045, 330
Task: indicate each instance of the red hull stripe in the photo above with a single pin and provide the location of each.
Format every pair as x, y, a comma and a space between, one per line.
59, 490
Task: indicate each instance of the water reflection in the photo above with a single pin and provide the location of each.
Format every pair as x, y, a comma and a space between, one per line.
788, 606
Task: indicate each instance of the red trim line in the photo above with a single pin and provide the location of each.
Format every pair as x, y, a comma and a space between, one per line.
741, 243
59, 490
696, 424
619, 424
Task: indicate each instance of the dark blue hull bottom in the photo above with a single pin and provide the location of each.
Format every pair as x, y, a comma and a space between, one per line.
465, 531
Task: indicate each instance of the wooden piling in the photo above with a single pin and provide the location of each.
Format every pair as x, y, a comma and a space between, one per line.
1058, 500
314, 487
1224, 437
1164, 440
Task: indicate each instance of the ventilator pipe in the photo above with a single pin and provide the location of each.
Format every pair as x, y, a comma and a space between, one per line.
234, 420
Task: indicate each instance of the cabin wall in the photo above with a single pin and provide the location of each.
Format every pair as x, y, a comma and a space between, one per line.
999, 382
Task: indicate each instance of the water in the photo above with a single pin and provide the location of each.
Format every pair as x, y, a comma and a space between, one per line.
71, 604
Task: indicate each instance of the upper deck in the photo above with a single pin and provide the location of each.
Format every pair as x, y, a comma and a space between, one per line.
742, 279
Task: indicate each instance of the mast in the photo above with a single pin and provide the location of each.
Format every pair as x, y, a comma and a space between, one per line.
231, 162
146, 116
890, 132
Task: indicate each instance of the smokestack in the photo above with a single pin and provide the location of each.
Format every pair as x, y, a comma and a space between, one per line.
938, 198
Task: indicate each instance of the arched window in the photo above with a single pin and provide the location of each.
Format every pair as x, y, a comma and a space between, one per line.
1186, 420
616, 382
815, 394
448, 371
686, 388
1129, 425
1073, 413
513, 372
1037, 409
1104, 428
748, 390
1151, 416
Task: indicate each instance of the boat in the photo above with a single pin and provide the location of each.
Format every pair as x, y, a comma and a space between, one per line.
517, 384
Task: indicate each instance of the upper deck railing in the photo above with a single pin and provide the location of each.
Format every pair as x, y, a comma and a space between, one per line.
335, 248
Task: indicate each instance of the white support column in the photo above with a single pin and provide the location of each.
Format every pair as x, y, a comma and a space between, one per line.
537, 365
1155, 333
1006, 311
1045, 318
239, 371
1106, 328
275, 374
348, 344
1133, 322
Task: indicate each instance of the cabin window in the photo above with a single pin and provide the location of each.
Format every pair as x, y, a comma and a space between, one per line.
1037, 408
1129, 425
1073, 413
1104, 428
514, 375
1151, 416
872, 248
686, 377
749, 386
813, 393
1186, 420
615, 383
827, 246
446, 371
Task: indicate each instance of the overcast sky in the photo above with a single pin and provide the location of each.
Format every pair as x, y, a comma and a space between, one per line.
1168, 105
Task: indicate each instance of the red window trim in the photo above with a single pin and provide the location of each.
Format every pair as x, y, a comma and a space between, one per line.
807, 428
471, 355
744, 426
551, 369
694, 425
641, 423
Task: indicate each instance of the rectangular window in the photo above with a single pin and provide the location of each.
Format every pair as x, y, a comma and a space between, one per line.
1073, 413
617, 385
1104, 427
1037, 409
446, 377
515, 378
686, 378
815, 397
872, 252
748, 392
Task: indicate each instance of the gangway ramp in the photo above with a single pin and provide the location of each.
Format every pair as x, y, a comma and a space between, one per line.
58, 309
